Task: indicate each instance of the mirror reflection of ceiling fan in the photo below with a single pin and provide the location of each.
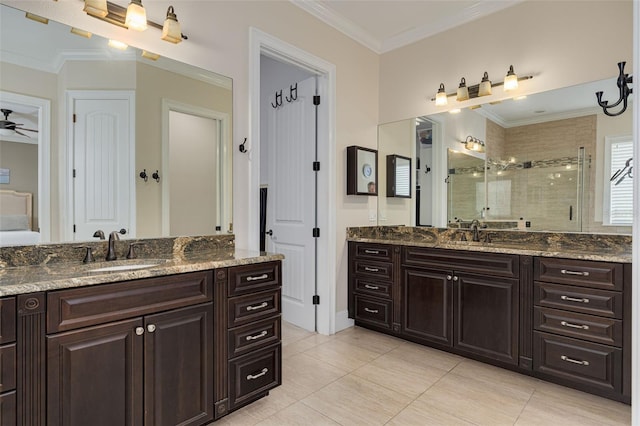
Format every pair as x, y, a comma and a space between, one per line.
9, 128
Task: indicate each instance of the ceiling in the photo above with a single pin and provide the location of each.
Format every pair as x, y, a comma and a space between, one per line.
385, 25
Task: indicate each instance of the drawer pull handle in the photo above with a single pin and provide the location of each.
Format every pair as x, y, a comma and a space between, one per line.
372, 251
366, 268
371, 311
257, 336
573, 361
259, 277
574, 299
371, 287
260, 306
568, 324
260, 374
580, 273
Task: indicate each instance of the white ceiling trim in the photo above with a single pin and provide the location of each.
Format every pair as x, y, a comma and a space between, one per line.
340, 23
469, 14
357, 33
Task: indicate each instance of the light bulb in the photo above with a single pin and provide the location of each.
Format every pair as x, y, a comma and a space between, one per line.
510, 80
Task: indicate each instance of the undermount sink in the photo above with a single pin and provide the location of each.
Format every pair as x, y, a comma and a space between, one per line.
128, 265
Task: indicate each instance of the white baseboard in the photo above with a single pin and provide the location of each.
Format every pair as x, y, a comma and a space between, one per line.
343, 321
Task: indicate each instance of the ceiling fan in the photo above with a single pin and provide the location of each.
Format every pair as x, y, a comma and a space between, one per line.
8, 128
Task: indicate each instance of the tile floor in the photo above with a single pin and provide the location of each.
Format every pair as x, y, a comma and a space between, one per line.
360, 377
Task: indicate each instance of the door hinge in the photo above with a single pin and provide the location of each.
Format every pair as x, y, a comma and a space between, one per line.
316, 232
316, 100
74, 117
74, 172
316, 166
316, 299
74, 228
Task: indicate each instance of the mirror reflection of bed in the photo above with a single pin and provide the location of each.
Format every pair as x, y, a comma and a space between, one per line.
16, 219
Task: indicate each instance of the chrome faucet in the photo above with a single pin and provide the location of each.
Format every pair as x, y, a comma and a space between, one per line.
111, 251
475, 228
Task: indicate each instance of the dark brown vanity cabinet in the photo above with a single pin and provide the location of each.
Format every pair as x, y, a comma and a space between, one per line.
132, 353
253, 332
8, 361
581, 325
465, 300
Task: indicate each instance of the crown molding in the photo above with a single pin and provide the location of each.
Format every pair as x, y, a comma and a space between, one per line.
538, 118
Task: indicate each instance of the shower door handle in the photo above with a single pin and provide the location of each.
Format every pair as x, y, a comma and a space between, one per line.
570, 212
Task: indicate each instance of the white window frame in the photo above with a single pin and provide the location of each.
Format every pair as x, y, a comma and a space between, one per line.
609, 142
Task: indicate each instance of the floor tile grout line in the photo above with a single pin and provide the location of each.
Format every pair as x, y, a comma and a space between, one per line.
525, 406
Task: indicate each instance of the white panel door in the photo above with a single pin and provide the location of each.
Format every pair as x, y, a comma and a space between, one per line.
291, 202
102, 162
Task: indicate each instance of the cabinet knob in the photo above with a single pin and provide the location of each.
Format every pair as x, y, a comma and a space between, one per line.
449, 277
151, 328
455, 278
139, 331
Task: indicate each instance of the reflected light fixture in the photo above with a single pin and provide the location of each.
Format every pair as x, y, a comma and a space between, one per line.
96, 8
37, 18
136, 18
171, 28
150, 55
485, 86
81, 33
454, 111
510, 80
441, 96
117, 44
463, 91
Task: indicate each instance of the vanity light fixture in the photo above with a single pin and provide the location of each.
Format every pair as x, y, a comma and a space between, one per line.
441, 96
97, 8
171, 28
485, 85
117, 44
134, 17
510, 80
463, 91
473, 144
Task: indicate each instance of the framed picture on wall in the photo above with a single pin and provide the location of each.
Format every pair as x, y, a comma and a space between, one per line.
362, 171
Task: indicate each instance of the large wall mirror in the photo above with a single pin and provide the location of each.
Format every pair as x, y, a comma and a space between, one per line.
109, 139
544, 162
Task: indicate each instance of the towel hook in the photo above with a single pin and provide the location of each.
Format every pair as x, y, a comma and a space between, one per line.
143, 175
278, 100
293, 90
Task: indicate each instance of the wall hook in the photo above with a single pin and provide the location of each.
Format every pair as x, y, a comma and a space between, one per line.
293, 91
278, 100
156, 176
241, 147
427, 169
143, 175
623, 85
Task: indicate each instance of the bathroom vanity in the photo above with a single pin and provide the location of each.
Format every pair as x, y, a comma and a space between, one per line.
558, 314
185, 341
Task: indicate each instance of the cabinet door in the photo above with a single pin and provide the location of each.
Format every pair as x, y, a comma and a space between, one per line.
94, 376
178, 363
426, 305
486, 321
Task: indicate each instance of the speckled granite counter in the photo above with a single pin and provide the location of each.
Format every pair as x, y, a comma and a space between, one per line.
49, 267
598, 247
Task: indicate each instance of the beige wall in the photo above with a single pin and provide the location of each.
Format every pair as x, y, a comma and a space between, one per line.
22, 161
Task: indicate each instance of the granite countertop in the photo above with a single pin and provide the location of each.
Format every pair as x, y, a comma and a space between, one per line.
604, 248
33, 278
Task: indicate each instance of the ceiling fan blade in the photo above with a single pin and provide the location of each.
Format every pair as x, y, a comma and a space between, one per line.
26, 130
22, 134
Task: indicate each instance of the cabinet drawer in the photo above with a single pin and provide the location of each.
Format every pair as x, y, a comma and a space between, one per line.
590, 364
503, 265
588, 327
80, 307
252, 278
7, 320
250, 376
253, 307
373, 251
373, 270
253, 336
373, 288
373, 311
7, 368
579, 299
607, 276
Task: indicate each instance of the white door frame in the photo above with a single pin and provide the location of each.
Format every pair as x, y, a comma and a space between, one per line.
222, 188
44, 157
66, 166
263, 43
